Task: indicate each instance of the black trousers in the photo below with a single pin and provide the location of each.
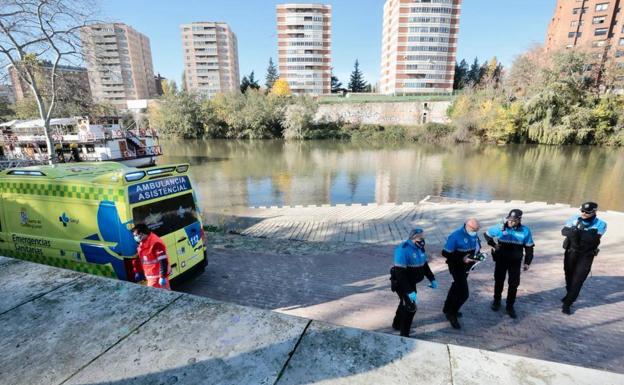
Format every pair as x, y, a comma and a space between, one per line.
404, 314
576, 267
458, 293
504, 266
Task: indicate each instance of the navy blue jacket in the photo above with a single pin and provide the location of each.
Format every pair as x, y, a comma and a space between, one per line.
410, 265
459, 245
511, 242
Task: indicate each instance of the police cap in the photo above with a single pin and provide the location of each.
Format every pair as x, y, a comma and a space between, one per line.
515, 214
589, 207
415, 232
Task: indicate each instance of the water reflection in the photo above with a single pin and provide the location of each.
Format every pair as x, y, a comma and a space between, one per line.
234, 174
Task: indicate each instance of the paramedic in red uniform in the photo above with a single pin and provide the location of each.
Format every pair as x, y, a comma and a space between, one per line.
152, 261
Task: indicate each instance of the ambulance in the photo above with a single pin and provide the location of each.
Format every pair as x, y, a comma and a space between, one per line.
79, 216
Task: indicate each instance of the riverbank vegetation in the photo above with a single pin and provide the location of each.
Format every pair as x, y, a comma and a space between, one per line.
545, 98
255, 115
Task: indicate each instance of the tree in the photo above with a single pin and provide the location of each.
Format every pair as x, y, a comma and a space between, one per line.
357, 82
281, 88
612, 76
244, 84
491, 73
461, 75
169, 87
253, 82
249, 82
6, 110
36, 30
177, 115
474, 74
271, 75
336, 85
184, 86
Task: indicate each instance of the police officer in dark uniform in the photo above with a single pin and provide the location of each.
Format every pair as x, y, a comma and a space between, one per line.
410, 267
510, 241
459, 250
582, 238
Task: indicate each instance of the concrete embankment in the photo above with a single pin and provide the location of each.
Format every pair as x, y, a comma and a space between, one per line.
62, 327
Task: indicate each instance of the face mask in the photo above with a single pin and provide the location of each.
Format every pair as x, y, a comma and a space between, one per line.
472, 233
137, 238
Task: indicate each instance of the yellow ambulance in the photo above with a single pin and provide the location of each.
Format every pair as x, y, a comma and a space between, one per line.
79, 215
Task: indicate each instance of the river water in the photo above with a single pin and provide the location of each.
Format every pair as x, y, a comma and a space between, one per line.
230, 175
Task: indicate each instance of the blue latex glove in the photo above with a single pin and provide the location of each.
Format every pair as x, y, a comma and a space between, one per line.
162, 281
433, 284
412, 297
138, 277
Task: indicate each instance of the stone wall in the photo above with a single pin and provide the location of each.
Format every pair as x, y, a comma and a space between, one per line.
385, 113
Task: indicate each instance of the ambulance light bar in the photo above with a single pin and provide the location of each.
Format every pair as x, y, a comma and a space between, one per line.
26, 172
134, 176
162, 170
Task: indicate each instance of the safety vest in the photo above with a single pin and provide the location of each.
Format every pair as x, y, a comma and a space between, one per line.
151, 251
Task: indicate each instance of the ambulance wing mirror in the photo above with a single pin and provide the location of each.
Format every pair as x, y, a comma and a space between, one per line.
182, 168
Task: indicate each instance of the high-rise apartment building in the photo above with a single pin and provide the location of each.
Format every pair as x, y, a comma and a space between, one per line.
68, 80
590, 25
119, 61
6, 93
304, 47
210, 58
419, 46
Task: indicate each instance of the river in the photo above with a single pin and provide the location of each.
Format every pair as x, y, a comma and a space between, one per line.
229, 175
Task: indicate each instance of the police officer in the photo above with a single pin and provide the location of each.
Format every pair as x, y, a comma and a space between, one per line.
410, 267
460, 248
582, 238
510, 241
152, 262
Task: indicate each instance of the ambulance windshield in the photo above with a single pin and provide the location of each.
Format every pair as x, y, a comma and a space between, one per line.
166, 216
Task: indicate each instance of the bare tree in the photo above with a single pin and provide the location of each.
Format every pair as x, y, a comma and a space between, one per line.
35, 31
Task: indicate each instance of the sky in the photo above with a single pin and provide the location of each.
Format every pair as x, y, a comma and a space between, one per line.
501, 28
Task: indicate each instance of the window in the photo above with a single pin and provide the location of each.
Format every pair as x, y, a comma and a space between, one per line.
576, 11
602, 6
599, 20
165, 217
571, 34
621, 41
601, 31
599, 43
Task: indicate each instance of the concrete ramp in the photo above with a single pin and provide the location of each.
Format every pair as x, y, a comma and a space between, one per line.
60, 327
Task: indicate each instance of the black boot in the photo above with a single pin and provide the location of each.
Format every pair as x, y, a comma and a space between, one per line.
512, 312
566, 309
452, 318
496, 305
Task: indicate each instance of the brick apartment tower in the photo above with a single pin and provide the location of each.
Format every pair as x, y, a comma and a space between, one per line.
304, 47
66, 76
419, 46
119, 62
210, 58
588, 24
